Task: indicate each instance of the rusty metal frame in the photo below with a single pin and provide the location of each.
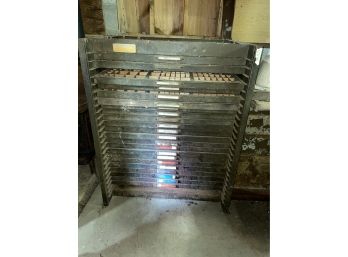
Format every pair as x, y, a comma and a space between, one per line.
245, 72
238, 132
102, 159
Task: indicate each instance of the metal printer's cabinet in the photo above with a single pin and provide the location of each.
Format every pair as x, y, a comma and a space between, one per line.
168, 114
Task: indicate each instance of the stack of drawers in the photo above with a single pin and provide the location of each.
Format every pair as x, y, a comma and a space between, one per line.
165, 127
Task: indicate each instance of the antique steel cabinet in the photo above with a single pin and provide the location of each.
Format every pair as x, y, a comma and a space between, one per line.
168, 114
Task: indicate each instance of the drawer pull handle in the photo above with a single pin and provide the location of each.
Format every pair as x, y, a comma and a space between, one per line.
176, 97
164, 167
170, 126
168, 105
169, 58
167, 137
163, 157
167, 131
168, 114
168, 83
169, 88
166, 153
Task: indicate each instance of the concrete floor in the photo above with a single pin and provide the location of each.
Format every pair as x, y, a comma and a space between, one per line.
84, 174
87, 184
164, 227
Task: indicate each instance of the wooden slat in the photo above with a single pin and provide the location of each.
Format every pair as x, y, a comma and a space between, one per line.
133, 16
152, 18
220, 19
144, 15
168, 17
227, 18
126, 13
201, 17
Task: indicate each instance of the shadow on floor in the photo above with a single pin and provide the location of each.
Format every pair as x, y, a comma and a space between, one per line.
252, 219
163, 227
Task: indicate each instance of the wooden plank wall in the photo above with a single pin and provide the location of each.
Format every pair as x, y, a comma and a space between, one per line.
180, 17
203, 18
168, 17
163, 17
134, 16
187, 17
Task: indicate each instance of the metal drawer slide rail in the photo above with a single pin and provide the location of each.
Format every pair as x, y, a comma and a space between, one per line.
168, 115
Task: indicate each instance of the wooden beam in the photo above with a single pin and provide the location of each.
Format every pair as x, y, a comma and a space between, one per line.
110, 17
220, 20
152, 18
227, 18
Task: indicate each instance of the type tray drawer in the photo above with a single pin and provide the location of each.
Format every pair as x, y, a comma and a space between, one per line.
168, 81
192, 55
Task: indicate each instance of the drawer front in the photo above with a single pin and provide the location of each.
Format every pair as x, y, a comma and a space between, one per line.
186, 55
191, 48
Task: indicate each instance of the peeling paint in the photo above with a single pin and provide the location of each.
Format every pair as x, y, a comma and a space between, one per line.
254, 164
249, 144
253, 171
258, 145
258, 124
